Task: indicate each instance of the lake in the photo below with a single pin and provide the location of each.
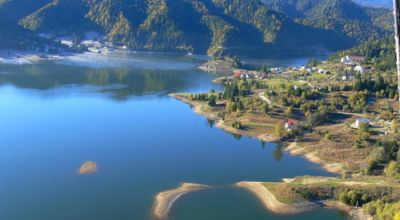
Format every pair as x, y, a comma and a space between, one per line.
115, 110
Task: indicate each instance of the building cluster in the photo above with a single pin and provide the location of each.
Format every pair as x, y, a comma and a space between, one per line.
245, 74
354, 63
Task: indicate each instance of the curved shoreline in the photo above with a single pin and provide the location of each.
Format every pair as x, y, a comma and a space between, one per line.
296, 150
197, 108
166, 199
272, 203
354, 213
293, 148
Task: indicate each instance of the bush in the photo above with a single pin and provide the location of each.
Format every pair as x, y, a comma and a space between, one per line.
397, 216
237, 125
279, 130
393, 169
212, 102
317, 118
289, 112
376, 156
383, 211
353, 198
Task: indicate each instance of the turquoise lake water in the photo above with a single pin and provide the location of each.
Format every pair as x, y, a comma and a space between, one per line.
115, 110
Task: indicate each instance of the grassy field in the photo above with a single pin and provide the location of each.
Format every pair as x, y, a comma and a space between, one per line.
281, 84
323, 188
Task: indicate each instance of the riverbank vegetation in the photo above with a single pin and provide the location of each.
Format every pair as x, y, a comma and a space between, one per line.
342, 113
378, 196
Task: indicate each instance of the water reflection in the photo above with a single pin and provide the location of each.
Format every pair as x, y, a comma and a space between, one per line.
150, 144
278, 152
119, 82
210, 123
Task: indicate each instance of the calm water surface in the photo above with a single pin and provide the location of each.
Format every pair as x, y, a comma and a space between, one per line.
116, 111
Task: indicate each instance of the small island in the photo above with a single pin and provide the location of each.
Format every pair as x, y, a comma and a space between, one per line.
165, 200
88, 167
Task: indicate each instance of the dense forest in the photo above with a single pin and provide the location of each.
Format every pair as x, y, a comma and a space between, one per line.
214, 27
341, 16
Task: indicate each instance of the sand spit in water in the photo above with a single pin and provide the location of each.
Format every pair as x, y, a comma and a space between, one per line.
165, 200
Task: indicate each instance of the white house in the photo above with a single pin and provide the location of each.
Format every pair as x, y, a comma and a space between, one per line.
351, 60
359, 69
347, 60
276, 70
359, 122
306, 68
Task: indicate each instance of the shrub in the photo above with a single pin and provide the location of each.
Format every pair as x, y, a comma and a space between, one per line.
289, 112
393, 169
212, 101
279, 130
383, 211
353, 198
237, 125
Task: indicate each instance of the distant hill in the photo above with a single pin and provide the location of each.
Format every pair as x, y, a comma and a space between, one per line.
376, 3
218, 27
342, 16
13, 36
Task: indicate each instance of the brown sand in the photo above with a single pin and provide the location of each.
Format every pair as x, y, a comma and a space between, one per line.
295, 149
165, 200
88, 167
272, 203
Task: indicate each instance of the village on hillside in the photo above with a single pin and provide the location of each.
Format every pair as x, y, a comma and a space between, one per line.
342, 113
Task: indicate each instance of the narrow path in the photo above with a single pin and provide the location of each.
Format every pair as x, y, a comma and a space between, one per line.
267, 100
263, 97
308, 83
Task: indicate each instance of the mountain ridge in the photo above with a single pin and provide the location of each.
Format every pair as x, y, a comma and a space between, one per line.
213, 27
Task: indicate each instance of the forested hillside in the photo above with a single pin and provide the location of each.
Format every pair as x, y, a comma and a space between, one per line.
11, 34
216, 27
343, 16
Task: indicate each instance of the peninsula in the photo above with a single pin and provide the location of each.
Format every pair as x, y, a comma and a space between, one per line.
341, 113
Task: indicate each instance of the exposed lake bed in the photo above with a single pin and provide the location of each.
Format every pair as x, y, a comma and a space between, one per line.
145, 141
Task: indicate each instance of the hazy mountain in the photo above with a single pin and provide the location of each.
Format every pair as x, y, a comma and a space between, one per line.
13, 36
343, 16
205, 26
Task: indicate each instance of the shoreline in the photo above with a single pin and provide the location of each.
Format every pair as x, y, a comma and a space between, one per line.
166, 199
220, 123
296, 150
291, 147
272, 203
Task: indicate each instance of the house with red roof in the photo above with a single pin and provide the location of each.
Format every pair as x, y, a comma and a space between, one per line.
290, 124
